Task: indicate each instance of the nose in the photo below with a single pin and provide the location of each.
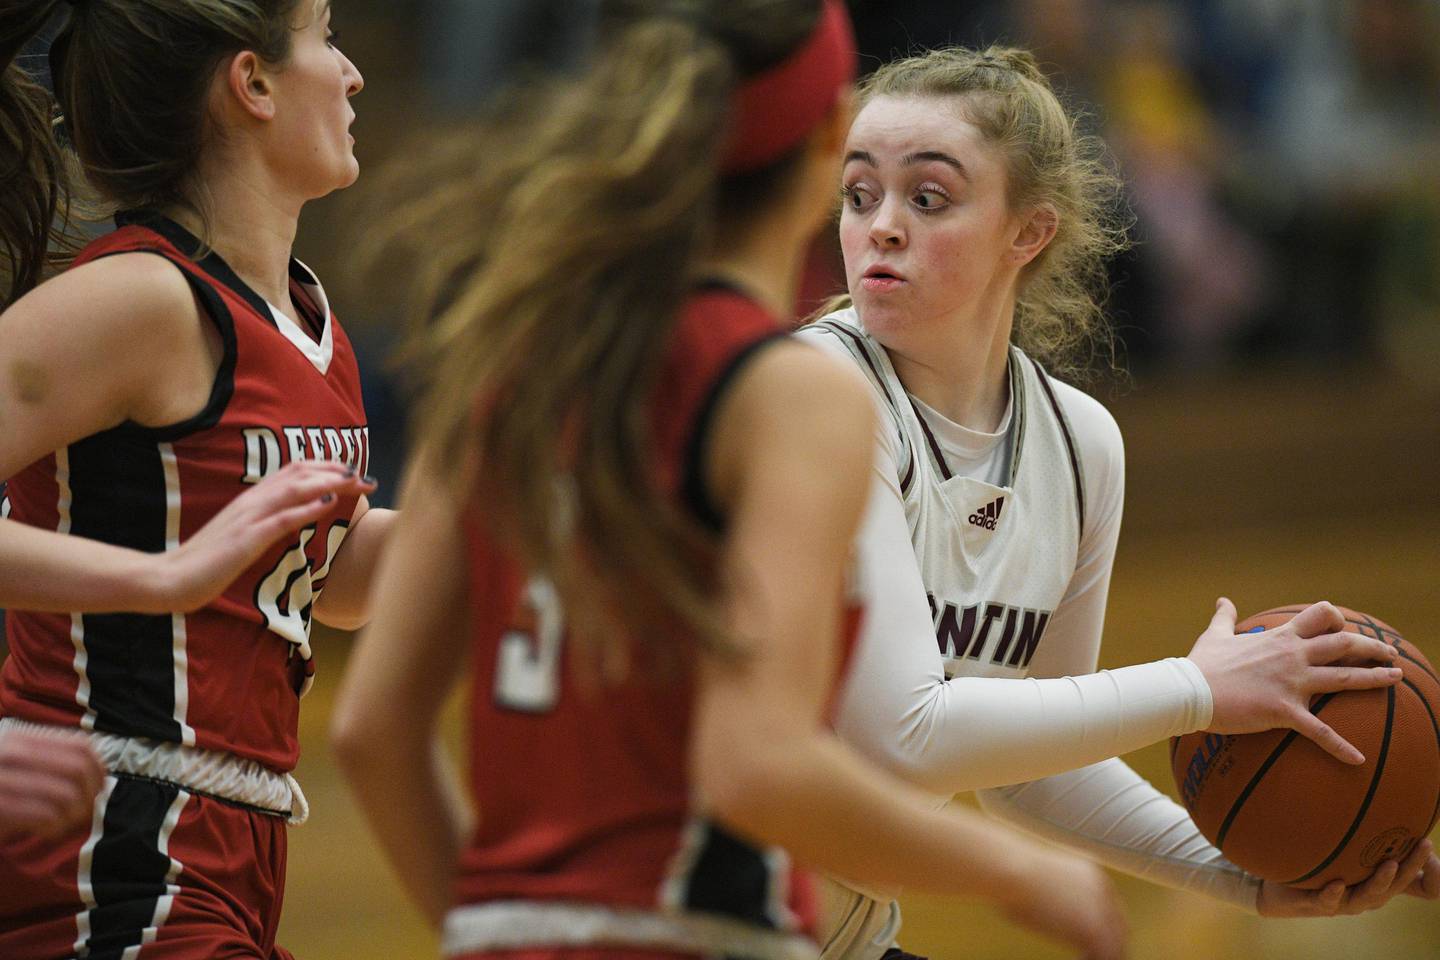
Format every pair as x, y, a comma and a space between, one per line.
887, 229
354, 82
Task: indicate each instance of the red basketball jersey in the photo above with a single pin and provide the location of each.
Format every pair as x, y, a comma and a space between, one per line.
227, 677
583, 788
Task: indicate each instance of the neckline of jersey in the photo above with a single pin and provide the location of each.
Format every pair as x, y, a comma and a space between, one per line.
317, 352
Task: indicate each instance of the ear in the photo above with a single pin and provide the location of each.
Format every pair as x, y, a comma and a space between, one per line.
1037, 229
249, 86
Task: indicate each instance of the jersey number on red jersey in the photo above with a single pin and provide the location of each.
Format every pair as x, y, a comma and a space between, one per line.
527, 677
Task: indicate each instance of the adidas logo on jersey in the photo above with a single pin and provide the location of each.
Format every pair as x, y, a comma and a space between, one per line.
988, 515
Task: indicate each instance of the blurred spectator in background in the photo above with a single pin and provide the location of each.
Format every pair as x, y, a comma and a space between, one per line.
1208, 274
1350, 128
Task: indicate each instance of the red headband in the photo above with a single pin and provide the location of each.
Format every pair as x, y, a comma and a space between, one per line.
773, 111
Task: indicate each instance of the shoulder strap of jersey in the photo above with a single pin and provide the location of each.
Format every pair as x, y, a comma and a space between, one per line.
213, 307
866, 354
1071, 448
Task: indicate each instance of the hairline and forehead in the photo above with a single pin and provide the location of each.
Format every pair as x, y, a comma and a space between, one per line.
944, 143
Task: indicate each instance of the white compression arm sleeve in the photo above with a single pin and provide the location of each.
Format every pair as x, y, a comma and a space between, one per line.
1111, 814
974, 732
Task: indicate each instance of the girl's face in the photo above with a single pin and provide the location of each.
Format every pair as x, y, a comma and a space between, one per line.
312, 108
926, 229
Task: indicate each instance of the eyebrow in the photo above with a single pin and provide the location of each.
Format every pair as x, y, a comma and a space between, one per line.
910, 159
925, 156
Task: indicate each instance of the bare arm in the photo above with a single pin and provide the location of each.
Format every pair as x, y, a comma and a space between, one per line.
112, 341
345, 603
389, 704
45, 571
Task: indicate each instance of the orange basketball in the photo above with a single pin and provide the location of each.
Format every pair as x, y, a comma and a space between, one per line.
1283, 809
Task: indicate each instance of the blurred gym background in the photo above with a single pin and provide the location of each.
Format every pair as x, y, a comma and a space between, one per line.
1279, 318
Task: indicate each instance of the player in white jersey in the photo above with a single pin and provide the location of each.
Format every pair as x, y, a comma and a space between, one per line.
974, 216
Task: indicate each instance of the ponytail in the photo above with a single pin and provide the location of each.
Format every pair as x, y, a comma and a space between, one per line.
554, 257
32, 162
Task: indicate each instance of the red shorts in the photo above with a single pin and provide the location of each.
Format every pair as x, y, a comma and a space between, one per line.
188, 876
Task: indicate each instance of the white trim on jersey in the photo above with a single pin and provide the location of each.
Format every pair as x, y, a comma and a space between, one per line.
518, 924
81, 662
84, 883
178, 634
677, 876
319, 354
777, 907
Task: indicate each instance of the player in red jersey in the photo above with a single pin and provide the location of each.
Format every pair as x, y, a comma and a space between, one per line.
184, 358
633, 511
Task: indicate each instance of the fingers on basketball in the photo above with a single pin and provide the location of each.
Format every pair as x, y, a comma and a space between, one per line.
1318, 618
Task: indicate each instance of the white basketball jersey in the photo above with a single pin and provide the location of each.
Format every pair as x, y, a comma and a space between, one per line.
994, 586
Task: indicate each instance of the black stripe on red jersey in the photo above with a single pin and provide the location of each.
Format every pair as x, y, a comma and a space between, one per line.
693, 491
1070, 448
128, 871
731, 878
118, 496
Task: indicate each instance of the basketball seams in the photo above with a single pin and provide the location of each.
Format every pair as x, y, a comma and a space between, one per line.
1270, 761
1435, 727
1369, 794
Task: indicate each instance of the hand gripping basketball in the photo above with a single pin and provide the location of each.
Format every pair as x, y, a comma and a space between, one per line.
1265, 681
1418, 875
1333, 838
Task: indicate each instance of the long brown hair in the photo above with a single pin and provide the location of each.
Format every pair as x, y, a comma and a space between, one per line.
555, 248
1049, 159
130, 80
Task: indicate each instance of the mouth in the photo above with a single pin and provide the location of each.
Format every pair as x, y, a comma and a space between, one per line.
881, 279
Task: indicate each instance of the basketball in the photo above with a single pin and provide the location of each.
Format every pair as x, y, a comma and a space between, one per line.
1284, 810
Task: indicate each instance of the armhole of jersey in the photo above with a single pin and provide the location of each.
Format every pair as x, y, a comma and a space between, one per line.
855, 345
1070, 446
213, 308
693, 491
